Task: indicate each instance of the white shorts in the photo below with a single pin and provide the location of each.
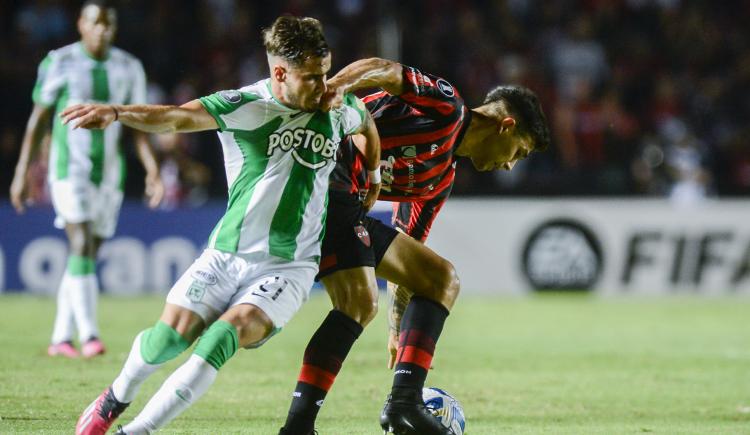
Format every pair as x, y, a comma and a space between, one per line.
219, 280
77, 201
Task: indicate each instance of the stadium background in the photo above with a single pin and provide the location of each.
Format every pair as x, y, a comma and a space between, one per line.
642, 193
646, 100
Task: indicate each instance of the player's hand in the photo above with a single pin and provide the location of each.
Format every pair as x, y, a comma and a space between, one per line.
392, 348
154, 190
89, 116
19, 192
372, 195
333, 97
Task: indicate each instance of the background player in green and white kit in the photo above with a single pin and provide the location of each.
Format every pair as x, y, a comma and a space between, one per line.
86, 168
263, 254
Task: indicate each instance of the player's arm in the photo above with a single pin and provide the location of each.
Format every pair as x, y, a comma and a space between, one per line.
36, 127
364, 74
189, 117
154, 185
368, 133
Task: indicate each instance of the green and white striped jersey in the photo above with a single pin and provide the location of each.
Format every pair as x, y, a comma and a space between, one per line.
69, 75
277, 161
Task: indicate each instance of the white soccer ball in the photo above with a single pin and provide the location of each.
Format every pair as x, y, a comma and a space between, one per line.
445, 408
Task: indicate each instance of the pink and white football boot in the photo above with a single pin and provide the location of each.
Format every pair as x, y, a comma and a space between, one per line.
100, 415
64, 348
93, 348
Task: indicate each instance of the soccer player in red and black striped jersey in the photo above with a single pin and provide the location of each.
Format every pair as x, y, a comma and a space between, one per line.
424, 127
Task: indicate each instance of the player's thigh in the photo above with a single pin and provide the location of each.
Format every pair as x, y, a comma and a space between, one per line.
410, 263
106, 211
186, 322
278, 288
208, 285
71, 199
347, 243
354, 292
81, 239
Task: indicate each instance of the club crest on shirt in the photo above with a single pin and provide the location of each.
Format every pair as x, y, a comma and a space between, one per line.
231, 96
409, 151
445, 88
196, 291
362, 234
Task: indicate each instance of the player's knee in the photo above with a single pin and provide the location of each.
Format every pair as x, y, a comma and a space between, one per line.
359, 303
218, 343
254, 327
449, 284
79, 240
368, 309
161, 343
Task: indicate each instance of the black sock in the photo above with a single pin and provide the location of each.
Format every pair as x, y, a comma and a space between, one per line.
324, 355
420, 329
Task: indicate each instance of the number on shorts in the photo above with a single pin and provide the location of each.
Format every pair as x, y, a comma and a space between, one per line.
268, 288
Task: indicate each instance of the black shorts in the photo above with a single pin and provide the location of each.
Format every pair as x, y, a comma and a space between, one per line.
352, 238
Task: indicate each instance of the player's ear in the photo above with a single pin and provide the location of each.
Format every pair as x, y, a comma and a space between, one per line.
506, 124
79, 24
279, 73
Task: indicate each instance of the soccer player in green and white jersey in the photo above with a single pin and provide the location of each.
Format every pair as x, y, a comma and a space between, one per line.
86, 168
262, 256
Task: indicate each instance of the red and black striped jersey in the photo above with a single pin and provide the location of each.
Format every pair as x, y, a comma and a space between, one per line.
419, 133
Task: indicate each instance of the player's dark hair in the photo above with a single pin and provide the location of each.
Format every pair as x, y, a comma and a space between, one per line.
523, 103
295, 39
102, 4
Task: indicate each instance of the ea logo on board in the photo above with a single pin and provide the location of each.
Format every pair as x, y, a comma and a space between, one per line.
445, 88
562, 254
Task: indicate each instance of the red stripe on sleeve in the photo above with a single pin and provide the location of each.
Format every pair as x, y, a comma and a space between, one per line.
375, 96
443, 107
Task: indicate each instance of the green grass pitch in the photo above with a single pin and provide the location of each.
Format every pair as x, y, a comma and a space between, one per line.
541, 365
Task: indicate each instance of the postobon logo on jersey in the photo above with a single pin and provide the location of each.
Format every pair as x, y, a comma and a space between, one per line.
323, 149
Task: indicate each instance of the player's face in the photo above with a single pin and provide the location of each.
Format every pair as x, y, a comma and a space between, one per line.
97, 27
305, 84
501, 151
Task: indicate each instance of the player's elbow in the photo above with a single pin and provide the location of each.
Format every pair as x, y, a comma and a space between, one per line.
181, 124
390, 72
177, 120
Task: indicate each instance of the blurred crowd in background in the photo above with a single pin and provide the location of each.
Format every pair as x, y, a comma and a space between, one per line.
644, 97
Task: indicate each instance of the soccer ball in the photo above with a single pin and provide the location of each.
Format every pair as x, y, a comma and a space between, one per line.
445, 408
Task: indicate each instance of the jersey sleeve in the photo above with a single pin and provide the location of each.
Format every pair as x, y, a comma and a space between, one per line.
431, 95
224, 105
138, 91
49, 81
353, 114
